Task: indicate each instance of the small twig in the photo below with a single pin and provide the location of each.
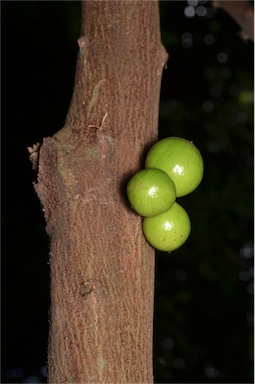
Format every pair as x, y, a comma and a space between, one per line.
242, 12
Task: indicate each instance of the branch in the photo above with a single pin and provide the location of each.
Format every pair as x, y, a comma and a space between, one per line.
242, 13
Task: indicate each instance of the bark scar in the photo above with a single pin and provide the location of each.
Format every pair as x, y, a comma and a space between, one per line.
87, 287
95, 95
100, 127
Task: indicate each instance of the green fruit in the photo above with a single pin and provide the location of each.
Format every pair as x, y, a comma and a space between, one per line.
151, 192
169, 230
181, 160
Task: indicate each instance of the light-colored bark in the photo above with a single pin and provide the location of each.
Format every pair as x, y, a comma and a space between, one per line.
102, 269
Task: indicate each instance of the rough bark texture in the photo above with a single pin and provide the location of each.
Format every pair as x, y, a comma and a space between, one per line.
102, 269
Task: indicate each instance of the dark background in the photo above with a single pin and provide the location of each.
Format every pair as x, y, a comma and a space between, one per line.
204, 290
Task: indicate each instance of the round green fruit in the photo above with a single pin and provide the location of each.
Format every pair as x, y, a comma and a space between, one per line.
169, 230
180, 159
151, 192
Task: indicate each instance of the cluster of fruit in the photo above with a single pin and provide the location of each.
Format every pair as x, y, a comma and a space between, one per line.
173, 168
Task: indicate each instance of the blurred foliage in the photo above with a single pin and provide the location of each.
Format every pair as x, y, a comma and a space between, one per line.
204, 290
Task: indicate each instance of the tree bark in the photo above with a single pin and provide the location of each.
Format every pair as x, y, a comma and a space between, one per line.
102, 269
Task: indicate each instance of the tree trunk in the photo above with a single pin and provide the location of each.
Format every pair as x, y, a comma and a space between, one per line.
102, 269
